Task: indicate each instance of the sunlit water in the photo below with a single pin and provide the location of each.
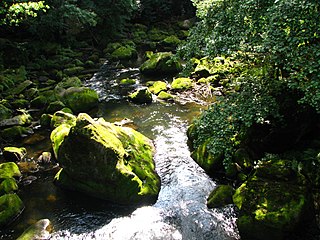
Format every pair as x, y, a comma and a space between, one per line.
180, 211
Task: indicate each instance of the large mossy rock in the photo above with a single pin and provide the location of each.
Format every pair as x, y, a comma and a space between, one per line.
107, 161
161, 63
273, 203
14, 154
80, 99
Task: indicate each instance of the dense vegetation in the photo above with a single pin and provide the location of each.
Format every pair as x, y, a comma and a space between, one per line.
278, 43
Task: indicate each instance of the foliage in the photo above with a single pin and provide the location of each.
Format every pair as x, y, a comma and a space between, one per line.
14, 12
284, 38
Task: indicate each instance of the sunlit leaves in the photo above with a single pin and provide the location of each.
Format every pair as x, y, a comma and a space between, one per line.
20, 11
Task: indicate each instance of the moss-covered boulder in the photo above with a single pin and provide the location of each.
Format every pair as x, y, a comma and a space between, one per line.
61, 117
273, 204
80, 99
20, 120
40, 230
161, 63
11, 208
220, 196
165, 96
170, 43
9, 170
181, 84
8, 185
107, 161
15, 132
69, 82
141, 96
55, 106
39, 102
14, 154
157, 87
209, 162
124, 53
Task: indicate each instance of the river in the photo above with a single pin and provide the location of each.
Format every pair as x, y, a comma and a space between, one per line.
180, 211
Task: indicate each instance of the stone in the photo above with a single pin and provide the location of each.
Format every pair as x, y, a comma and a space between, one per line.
14, 154
141, 96
39, 102
15, 132
20, 103
61, 117
55, 106
209, 162
220, 196
161, 63
272, 205
9, 170
72, 71
106, 161
40, 230
69, 82
181, 84
8, 185
80, 99
157, 87
5, 112
165, 96
11, 208
19, 120
21, 87
124, 53
127, 81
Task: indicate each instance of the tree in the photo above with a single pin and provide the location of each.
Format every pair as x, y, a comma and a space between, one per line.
281, 83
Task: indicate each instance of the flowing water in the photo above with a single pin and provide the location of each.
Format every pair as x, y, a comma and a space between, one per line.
180, 211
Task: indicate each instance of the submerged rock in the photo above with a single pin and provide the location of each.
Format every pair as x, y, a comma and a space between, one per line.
106, 161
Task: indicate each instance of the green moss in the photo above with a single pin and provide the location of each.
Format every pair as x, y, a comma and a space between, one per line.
80, 99
9, 170
69, 82
55, 106
141, 96
8, 185
41, 229
271, 208
15, 132
127, 81
165, 96
161, 62
72, 71
181, 84
61, 117
220, 196
157, 87
21, 87
57, 136
39, 102
124, 53
5, 112
10, 208
108, 161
